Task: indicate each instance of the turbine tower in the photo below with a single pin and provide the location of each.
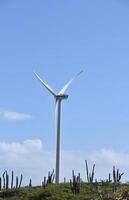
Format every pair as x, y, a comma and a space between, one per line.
58, 99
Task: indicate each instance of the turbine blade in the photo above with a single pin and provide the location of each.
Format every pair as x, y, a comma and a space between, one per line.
46, 85
63, 90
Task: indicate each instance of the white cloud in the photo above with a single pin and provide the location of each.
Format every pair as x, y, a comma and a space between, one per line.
15, 116
30, 159
27, 157
25, 147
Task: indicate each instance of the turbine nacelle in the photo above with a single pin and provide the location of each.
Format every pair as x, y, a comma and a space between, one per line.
61, 96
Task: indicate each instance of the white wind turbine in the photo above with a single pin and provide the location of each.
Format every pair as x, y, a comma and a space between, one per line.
58, 98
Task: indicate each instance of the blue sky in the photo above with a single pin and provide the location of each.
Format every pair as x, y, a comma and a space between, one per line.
57, 39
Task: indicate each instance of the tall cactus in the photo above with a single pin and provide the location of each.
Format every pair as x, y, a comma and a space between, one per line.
64, 180
4, 179
44, 183
116, 178
7, 181
12, 178
75, 183
20, 181
51, 177
0, 183
30, 183
16, 182
87, 171
109, 178
49, 180
116, 175
90, 176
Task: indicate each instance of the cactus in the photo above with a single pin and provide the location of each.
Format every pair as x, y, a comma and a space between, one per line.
75, 183
90, 176
87, 171
64, 180
16, 182
30, 183
116, 178
51, 177
44, 183
0, 183
20, 181
116, 175
7, 181
109, 178
12, 177
4, 180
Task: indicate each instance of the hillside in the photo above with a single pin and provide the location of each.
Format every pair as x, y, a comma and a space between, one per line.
63, 192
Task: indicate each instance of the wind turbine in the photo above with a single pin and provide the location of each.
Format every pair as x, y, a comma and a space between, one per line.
58, 99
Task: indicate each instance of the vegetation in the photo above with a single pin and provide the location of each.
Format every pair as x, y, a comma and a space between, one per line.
11, 187
88, 191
